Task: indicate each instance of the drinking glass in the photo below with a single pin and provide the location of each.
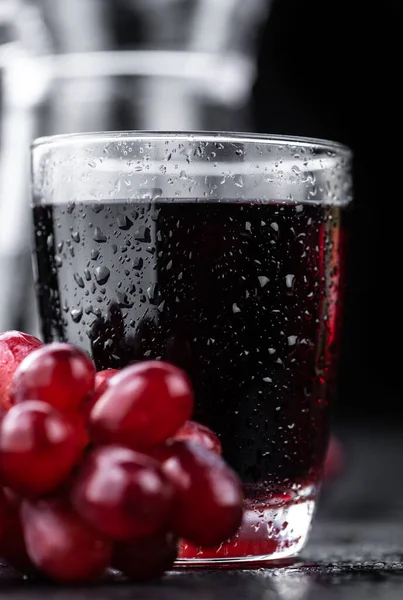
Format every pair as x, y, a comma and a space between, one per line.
221, 253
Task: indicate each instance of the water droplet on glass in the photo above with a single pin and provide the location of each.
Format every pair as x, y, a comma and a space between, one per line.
235, 308
76, 314
137, 263
143, 234
79, 280
263, 280
75, 236
274, 226
289, 281
152, 292
102, 275
99, 235
123, 222
94, 253
124, 301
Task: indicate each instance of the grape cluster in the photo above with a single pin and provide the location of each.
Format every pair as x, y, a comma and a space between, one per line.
104, 469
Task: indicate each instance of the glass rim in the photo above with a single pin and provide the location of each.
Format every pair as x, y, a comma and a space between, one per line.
225, 137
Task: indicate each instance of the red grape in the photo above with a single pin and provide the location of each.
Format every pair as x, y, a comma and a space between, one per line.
102, 378
61, 544
143, 406
146, 559
196, 432
101, 383
38, 448
208, 507
59, 374
123, 494
14, 347
12, 547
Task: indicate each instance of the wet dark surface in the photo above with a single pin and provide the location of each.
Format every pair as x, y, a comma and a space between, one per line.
355, 551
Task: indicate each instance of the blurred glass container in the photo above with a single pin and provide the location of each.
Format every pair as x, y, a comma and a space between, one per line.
150, 64
92, 65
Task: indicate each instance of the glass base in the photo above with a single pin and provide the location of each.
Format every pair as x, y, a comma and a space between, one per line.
272, 530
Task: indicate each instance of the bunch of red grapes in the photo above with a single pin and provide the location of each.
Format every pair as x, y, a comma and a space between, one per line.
104, 469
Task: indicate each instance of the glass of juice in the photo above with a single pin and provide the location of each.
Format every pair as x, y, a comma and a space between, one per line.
220, 253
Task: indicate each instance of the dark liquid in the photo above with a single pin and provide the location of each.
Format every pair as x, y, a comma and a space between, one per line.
242, 296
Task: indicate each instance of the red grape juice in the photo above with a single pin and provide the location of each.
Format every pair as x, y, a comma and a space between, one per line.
244, 297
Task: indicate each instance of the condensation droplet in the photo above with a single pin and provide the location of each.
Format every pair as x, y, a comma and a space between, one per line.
143, 234
137, 263
102, 275
123, 222
152, 292
289, 280
99, 235
76, 314
79, 280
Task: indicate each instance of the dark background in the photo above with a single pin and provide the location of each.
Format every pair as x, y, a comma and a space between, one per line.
330, 70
